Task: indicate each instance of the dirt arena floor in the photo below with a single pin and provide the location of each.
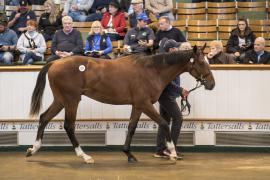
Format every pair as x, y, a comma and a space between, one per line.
114, 166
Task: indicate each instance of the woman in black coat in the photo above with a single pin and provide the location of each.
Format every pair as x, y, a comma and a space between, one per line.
50, 21
241, 40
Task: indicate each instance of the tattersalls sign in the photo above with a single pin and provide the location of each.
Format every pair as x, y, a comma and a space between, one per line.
144, 125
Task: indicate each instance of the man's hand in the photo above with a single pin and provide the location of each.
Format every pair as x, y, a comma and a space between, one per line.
74, 7
237, 54
155, 12
142, 43
184, 94
22, 29
100, 52
64, 14
4, 48
17, 16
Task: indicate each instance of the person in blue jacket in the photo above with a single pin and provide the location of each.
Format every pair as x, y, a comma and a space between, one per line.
98, 44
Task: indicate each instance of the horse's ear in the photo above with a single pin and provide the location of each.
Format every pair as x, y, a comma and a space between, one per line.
195, 48
204, 46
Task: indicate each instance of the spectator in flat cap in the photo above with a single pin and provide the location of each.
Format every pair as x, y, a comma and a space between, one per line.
18, 19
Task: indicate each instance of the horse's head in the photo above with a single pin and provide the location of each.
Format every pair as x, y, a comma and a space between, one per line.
199, 68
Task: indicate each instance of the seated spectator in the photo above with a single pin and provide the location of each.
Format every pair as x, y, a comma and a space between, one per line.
98, 44
114, 22
77, 9
217, 56
137, 6
97, 4
31, 44
12, 2
160, 8
18, 19
8, 41
141, 38
185, 46
97, 16
67, 41
166, 30
241, 39
258, 55
50, 21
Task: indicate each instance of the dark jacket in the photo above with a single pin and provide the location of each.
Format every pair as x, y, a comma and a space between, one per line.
71, 42
222, 58
103, 43
233, 42
173, 88
46, 27
251, 57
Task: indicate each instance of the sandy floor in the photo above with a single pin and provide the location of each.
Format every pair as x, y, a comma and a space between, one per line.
114, 166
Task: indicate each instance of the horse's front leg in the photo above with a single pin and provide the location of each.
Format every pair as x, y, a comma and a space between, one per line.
134, 118
69, 125
151, 112
44, 119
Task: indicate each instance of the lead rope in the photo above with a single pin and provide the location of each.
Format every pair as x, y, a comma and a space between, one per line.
185, 103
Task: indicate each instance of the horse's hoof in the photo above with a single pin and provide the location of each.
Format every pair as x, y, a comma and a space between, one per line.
173, 159
29, 152
132, 159
90, 161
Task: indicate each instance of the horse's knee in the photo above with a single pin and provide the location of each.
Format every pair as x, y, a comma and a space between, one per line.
132, 127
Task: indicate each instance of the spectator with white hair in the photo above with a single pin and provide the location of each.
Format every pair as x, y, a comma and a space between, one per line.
258, 55
67, 41
217, 56
137, 6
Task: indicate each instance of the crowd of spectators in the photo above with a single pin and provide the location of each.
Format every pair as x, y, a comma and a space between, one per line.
113, 20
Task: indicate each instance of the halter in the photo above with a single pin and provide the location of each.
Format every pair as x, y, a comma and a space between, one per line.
200, 82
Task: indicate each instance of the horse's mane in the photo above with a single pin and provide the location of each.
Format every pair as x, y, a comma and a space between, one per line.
164, 58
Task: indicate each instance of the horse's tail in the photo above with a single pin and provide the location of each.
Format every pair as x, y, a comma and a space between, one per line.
36, 100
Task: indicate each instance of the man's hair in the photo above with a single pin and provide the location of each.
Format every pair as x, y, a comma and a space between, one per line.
167, 19
67, 18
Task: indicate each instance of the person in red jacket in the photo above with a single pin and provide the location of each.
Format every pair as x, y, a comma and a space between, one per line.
114, 22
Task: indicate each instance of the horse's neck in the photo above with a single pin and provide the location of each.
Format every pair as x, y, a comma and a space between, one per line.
169, 72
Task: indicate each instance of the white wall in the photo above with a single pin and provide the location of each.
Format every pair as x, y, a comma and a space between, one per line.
239, 94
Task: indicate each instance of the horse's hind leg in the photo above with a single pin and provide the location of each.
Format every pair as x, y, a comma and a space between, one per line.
134, 118
69, 125
151, 112
44, 119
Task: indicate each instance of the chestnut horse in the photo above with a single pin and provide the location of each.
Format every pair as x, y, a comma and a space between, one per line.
136, 80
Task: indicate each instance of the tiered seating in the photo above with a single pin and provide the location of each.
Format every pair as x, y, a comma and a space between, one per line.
82, 26
191, 11
244, 8
9, 10
224, 10
261, 28
38, 9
